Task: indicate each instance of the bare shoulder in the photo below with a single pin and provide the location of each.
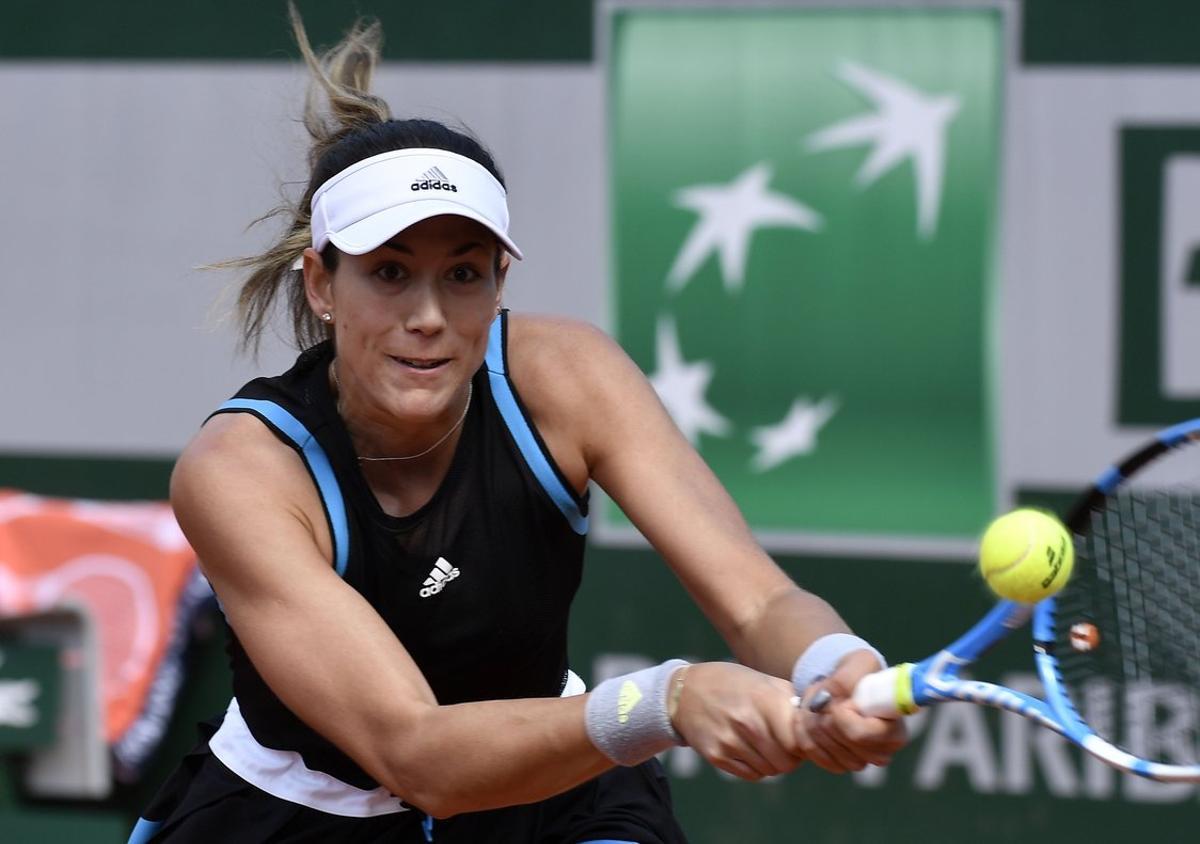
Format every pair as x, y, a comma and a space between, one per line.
576, 381
554, 343
235, 473
234, 446
559, 356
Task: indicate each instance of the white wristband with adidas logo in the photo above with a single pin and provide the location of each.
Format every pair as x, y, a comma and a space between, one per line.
627, 716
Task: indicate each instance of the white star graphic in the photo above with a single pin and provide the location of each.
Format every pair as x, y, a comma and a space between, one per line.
795, 435
729, 214
681, 386
908, 124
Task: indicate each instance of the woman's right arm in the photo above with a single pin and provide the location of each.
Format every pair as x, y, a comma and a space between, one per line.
249, 509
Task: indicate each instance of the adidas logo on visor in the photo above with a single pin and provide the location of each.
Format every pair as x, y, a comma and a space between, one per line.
434, 179
440, 575
361, 207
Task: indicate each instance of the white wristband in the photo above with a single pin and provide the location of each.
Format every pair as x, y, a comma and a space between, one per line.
626, 716
822, 658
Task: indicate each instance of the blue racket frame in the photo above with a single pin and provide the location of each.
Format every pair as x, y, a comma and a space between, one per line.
936, 679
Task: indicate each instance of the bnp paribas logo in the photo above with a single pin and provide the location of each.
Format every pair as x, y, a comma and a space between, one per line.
803, 224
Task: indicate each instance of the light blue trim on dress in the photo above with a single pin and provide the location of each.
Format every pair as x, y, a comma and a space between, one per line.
318, 464
506, 401
143, 831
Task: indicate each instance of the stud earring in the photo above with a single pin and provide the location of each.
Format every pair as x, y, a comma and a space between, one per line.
327, 317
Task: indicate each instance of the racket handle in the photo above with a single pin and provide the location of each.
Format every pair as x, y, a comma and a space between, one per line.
886, 693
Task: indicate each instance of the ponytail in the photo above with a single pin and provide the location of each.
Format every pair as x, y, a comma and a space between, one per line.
338, 105
345, 124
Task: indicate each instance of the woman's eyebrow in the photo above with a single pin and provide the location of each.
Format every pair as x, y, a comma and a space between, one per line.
468, 247
398, 246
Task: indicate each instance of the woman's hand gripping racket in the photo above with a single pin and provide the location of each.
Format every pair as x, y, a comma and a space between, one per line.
1118, 649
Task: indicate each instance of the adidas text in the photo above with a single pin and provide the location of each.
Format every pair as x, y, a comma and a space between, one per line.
434, 185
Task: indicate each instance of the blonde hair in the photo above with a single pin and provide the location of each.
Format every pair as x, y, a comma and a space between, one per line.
345, 123
338, 104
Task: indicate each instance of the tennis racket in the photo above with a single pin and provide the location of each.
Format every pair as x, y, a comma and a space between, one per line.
1118, 649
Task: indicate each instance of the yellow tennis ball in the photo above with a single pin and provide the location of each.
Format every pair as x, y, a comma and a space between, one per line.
1026, 555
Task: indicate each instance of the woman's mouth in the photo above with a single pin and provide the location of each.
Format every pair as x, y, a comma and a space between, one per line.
423, 364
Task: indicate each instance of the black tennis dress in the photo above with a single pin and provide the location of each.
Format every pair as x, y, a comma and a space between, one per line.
476, 585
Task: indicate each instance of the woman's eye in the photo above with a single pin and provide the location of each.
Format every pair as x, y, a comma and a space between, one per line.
463, 272
390, 272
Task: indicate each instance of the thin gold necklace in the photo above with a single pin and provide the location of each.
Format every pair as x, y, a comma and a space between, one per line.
445, 436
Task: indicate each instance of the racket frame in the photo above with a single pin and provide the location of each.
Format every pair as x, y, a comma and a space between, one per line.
902, 689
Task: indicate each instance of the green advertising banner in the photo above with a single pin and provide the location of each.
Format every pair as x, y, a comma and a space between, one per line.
1160, 274
803, 224
970, 773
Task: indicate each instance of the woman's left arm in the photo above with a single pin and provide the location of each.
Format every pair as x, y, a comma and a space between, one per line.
602, 420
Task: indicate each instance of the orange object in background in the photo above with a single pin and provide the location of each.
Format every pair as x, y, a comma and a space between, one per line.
127, 563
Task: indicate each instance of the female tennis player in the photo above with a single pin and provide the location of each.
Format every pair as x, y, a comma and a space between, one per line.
395, 529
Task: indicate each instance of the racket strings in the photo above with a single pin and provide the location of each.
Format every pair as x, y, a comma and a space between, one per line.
1128, 624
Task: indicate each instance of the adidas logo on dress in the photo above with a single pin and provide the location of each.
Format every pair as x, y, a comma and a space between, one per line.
434, 179
441, 574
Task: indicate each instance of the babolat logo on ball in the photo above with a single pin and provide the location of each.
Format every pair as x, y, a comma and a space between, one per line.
1055, 559
434, 179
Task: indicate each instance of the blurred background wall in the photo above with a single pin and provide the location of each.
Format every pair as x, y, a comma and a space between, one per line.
138, 140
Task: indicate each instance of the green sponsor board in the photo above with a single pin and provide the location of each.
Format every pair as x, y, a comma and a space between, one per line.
47, 826
449, 30
1159, 205
804, 214
1085, 32
103, 477
969, 773
29, 691
1061, 32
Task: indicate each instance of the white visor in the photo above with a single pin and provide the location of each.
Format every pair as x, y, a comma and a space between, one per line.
370, 202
